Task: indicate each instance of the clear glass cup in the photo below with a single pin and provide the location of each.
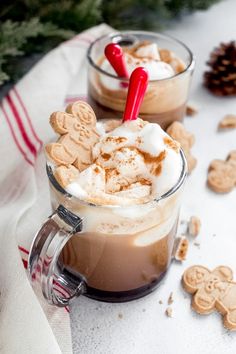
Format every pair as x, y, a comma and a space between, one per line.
165, 99
108, 253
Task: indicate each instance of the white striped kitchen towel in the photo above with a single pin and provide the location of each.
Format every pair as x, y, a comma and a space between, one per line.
27, 323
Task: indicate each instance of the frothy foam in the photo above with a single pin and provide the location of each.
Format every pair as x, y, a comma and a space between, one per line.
133, 164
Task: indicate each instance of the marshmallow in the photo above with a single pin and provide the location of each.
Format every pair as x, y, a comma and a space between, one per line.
148, 51
146, 56
91, 181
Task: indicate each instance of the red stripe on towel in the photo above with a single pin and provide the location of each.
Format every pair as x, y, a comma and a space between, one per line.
27, 117
21, 127
25, 263
23, 249
14, 136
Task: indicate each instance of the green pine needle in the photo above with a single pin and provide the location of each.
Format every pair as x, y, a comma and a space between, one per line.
14, 35
22, 34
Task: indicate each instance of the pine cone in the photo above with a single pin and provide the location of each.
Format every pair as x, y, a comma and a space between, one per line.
221, 79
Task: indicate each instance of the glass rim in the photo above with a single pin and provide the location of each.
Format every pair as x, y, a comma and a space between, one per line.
172, 190
189, 68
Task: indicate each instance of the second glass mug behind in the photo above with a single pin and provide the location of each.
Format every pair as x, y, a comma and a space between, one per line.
108, 253
165, 99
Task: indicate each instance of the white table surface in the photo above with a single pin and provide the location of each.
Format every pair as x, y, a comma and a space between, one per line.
141, 326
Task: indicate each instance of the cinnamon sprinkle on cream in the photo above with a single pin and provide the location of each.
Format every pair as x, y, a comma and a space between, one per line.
144, 182
172, 144
96, 170
138, 140
156, 170
111, 172
148, 158
105, 156
116, 139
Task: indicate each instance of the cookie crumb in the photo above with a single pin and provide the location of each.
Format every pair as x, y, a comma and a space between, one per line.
169, 312
160, 302
228, 122
181, 249
197, 244
186, 139
170, 299
194, 226
191, 110
120, 315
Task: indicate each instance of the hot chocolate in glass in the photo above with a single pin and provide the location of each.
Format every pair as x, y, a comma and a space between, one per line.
170, 65
116, 208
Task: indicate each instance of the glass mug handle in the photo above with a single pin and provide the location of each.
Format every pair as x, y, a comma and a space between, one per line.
44, 268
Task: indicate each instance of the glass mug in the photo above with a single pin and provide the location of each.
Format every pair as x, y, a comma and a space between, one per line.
108, 253
165, 99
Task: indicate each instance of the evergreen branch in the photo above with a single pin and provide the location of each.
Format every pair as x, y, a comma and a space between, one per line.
22, 34
14, 36
3, 77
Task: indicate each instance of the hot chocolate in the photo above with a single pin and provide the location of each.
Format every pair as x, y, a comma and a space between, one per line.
127, 192
109, 263
169, 64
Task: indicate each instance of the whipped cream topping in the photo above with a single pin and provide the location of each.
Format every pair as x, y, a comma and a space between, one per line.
133, 164
148, 51
146, 56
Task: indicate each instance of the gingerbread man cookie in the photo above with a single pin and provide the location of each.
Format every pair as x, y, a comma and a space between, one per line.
222, 174
178, 132
66, 174
78, 134
212, 290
